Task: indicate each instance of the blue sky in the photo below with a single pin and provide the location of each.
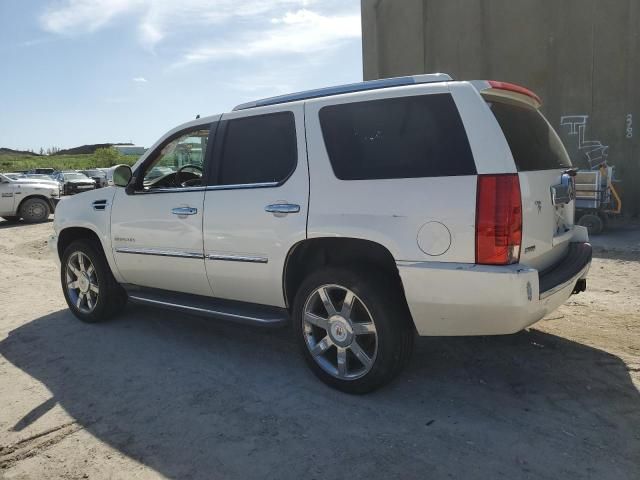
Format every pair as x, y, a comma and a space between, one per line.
74, 72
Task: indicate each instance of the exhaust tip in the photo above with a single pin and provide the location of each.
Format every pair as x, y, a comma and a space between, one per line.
581, 286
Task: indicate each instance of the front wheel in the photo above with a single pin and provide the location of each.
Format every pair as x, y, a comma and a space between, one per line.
35, 210
354, 328
91, 292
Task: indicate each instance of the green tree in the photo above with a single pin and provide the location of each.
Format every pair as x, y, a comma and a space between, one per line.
107, 157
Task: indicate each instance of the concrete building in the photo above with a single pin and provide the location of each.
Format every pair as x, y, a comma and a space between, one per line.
581, 56
130, 149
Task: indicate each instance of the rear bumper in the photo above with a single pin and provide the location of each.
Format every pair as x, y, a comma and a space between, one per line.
452, 299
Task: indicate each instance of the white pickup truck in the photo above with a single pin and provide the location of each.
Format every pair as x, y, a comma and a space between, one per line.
31, 199
361, 214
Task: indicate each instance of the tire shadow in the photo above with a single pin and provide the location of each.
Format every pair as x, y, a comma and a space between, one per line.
193, 398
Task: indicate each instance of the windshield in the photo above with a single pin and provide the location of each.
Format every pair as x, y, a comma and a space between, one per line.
75, 176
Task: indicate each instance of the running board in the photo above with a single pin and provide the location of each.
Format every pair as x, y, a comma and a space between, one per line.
229, 310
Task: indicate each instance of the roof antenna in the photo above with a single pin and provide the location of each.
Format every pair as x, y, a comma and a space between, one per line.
197, 116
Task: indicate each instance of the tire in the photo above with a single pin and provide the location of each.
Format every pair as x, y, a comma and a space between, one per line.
12, 218
102, 305
35, 210
593, 223
376, 300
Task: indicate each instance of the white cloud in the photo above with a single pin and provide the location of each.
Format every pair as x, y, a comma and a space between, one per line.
139, 79
303, 31
157, 18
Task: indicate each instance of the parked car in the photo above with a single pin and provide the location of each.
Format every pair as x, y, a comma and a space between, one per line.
29, 199
97, 175
362, 214
43, 171
74, 182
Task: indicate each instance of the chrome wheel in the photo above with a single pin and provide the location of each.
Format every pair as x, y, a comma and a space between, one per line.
82, 282
339, 332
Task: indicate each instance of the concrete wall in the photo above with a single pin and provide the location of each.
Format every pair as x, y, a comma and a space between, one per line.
581, 56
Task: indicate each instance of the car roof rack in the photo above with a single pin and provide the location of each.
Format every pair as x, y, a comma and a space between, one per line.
349, 88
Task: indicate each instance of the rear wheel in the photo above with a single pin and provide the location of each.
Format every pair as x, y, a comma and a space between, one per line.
593, 223
35, 210
91, 292
353, 328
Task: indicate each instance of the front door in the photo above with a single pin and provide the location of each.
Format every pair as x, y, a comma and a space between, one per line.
7, 196
256, 202
156, 224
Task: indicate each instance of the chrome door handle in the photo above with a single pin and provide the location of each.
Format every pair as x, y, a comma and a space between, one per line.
184, 211
282, 208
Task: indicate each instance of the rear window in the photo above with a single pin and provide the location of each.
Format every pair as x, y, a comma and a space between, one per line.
408, 137
533, 143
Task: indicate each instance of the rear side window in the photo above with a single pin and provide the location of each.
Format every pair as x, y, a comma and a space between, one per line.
408, 137
533, 143
259, 149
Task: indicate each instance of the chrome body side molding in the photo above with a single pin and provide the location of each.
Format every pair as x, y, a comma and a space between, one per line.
238, 258
159, 253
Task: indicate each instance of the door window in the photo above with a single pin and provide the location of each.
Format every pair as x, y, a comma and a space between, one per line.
179, 163
258, 149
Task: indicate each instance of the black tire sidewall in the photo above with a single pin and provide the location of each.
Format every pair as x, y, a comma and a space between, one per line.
25, 206
102, 311
389, 316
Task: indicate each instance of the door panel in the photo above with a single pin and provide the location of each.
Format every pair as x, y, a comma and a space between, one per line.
244, 244
7, 198
155, 247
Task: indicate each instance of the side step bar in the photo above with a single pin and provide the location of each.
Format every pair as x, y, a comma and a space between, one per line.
239, 312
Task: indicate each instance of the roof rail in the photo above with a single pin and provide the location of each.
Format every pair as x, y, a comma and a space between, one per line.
349, 88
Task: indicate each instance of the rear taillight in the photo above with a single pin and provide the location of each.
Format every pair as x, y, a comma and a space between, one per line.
498, 220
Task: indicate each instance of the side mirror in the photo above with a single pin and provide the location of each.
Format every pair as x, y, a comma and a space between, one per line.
122, 175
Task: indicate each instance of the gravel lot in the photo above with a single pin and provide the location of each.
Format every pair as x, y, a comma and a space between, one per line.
156, 394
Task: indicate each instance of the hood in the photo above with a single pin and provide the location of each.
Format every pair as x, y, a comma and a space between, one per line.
35, 184
32, 181
81, 181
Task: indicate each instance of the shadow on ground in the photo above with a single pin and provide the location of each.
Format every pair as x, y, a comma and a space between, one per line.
192, 398
21, 223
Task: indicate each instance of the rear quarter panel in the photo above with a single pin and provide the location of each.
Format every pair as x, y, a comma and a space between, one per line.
392, 212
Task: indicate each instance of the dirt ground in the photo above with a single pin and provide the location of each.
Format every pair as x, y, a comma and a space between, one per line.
155, 394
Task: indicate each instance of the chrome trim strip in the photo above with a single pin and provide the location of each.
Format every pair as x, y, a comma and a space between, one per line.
232, 316
159, 253
241, 185
170, 190
238, 258
209, 188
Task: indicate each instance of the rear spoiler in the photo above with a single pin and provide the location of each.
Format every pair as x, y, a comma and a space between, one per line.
511, 91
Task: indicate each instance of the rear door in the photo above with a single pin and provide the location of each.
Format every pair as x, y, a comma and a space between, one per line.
256, 202
547, 200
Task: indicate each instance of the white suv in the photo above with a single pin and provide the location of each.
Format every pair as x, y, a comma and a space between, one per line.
361, 214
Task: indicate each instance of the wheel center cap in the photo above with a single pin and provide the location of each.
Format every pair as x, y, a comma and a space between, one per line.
340, 331
84, 283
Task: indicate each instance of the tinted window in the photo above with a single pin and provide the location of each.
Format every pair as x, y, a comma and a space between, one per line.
533, 143
405, 137
259, 149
